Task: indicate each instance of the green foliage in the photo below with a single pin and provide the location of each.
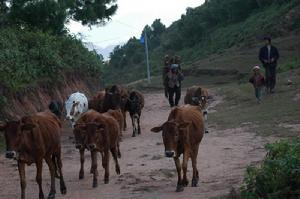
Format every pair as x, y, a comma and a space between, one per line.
29, 56
290, 64
51, 15
210, 28
279, 175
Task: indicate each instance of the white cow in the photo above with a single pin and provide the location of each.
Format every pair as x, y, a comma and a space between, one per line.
76, 104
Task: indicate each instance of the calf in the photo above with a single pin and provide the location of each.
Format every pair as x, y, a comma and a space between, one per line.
102, 135
32, 139
97, 101
76, 104
197, 96
116, 98
134, 106
182, 134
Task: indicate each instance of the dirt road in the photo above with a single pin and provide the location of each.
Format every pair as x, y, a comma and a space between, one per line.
145, 172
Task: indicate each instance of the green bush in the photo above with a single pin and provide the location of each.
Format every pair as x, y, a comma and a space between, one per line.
29, 56
278, 177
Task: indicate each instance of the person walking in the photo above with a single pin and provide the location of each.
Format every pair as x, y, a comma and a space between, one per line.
174, 78
166, 69
268, 55
258, 82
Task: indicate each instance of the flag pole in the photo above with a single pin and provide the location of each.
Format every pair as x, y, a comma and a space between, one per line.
147, 59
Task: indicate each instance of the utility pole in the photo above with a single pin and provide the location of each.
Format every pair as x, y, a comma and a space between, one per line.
147, 58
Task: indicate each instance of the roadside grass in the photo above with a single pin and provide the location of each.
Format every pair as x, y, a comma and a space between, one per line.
240, 108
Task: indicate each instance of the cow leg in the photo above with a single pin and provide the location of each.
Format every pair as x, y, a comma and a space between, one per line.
21, 167
133, 125
105, 165
185, 160
115, 156
94, 168
118, 150
39, 168
195, 179
81, 171
63, 189
179, 187
124, 118
52, 174
139, 126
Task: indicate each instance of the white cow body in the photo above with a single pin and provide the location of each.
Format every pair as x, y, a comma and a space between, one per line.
76, 104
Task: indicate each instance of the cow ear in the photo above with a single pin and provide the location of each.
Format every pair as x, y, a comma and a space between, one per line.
27, 127
3, 125
156, 129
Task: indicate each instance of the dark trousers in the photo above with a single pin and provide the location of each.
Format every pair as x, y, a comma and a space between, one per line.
270, 73
174, 91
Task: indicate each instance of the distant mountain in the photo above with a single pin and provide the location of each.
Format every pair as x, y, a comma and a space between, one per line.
103, 51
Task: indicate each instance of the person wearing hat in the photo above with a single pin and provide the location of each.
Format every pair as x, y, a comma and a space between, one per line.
268, 55
166, 69
258, 82
174, 78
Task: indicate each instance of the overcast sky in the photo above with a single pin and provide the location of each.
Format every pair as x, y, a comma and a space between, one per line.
131, 17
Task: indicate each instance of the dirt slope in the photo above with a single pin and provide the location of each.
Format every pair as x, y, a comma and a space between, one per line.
145, 172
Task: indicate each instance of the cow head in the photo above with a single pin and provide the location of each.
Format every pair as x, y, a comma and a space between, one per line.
14, 133
198, 99
95, 134
72, 109
79, 132
172, 133
113, 98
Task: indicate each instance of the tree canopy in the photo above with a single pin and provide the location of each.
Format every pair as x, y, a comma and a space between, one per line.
52, 15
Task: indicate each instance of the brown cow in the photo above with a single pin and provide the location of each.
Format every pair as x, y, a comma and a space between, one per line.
32, 139
134, 106
197, 96
102, 135
118, 115
97, 101
182, 134
116, 98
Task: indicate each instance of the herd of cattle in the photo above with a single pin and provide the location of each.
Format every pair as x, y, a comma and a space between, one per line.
97, 126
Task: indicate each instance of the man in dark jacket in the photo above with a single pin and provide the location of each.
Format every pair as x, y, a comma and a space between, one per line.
268, 55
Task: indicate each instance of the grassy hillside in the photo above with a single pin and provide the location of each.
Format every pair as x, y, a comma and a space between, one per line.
279, 19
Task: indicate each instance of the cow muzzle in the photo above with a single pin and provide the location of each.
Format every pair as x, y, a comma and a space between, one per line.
78, 146
169, 154
11, 154
91, 147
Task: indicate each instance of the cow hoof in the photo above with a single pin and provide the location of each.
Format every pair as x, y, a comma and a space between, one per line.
106, 181
206, 131
119, 154
63, 190
194, 183
95, 183
179, 188
41, 195
185, 183
51, 196
81, 176
118, 170
133, 135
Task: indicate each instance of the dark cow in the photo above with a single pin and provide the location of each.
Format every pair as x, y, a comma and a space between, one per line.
56, 107
32, 139
102, 135
97, 101
134, 106
198, 96
116, 98
182, 134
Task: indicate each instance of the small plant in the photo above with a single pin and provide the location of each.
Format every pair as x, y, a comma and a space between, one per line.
278, 177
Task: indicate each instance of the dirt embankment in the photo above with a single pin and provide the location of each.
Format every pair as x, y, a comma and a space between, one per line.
36, 98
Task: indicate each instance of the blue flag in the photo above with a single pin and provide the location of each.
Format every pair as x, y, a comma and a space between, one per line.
142, 39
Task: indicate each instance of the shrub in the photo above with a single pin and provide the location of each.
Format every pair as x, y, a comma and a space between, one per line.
278, 177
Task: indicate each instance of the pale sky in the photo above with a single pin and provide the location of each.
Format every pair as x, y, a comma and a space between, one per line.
130, 19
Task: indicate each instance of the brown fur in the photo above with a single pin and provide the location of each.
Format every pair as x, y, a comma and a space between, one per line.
182, 134
35, 138
97, 101
102, 132
198, 92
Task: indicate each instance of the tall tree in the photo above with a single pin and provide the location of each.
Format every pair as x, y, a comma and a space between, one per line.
52, 15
